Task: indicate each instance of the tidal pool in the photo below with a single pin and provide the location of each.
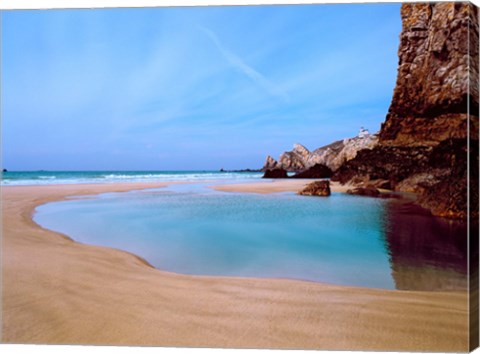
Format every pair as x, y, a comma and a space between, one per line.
342, 239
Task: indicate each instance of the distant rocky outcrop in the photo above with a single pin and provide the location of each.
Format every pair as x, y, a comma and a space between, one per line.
333, 155
317, 188
424, 143
245, 170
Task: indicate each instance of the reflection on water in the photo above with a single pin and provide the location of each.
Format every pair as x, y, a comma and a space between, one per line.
426, 253
343, 239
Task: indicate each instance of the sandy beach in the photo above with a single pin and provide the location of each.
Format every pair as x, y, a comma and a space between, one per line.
275, 186
59, 291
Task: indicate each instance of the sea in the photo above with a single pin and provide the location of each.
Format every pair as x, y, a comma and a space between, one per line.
89, 177
191, 228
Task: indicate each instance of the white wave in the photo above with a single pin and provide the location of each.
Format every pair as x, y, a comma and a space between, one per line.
148, 177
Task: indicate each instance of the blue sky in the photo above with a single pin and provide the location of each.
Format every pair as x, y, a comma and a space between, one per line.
190, 88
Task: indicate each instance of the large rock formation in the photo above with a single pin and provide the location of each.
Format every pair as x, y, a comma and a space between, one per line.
428, 143
333, 155
437, 75
424, 143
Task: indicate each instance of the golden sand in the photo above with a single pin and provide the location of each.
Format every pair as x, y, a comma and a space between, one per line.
56, 290
275, 186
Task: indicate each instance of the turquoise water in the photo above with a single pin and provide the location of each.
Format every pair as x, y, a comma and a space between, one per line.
75, 177
342, 239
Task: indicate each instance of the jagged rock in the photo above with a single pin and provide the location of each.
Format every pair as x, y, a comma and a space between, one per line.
316, 171
333, 155
301, 151
275, 173
270, 163
291, 162
423, 145
438, 45
317, 188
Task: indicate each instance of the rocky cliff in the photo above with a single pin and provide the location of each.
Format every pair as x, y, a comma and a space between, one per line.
437, 75
428, 143
424, 143
332, 155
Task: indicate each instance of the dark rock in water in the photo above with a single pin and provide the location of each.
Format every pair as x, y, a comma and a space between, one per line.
316, 171
5, 170
275, 173
368, 191
318, 188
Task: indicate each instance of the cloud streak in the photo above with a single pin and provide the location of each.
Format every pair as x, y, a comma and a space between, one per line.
241, 66
79, 86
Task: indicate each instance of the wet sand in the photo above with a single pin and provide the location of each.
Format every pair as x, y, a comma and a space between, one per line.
276, 185
56, 290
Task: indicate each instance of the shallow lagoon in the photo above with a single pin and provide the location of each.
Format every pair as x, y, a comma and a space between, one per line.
343, 239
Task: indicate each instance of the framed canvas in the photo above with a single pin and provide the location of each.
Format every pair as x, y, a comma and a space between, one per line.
241, 176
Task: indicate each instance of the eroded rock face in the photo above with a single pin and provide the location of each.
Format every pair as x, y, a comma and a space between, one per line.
291, 161
423, 145
270, 164
318, 188
333, 155
437, 74
430, 135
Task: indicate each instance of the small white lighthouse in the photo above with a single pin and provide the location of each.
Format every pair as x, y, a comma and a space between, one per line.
363, 133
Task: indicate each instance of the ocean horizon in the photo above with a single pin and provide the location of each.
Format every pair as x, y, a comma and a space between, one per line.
93, 177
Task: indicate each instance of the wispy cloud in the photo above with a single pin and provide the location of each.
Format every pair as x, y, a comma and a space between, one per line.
240, 65
79, 87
